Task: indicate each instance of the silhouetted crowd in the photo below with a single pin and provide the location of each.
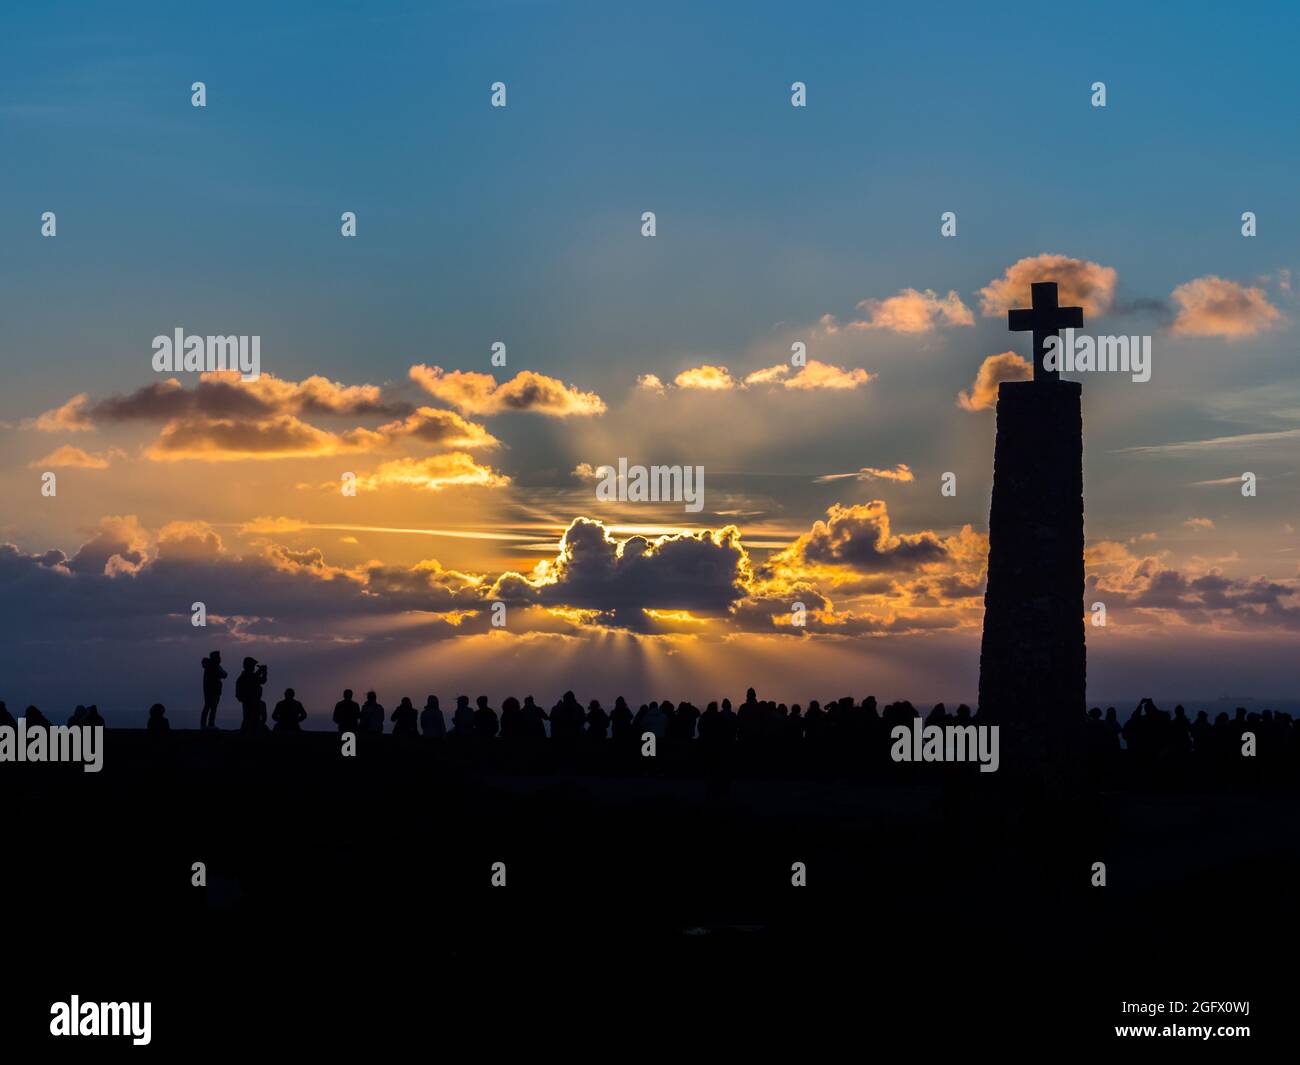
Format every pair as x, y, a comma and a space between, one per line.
1150, 734
1154, 733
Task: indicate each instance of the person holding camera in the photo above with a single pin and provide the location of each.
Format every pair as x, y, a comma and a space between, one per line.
248, 691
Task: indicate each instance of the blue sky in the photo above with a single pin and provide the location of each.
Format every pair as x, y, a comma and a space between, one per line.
478, 222
522, 224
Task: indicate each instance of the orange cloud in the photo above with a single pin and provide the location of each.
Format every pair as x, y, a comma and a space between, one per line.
902, 472
995, 369
812, 375
429, 425
1081, 283
287, 436
222, 394
1212, 307
433, 473
911, 311
75, 458
265, 525
770, 376
887, 582
119, 546
1143, 590
706, 378
313, 395
189, 539
229, 440
479, 393
858, 537
72, 417
224, 418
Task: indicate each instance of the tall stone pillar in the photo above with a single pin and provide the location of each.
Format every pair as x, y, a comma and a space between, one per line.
1032, 660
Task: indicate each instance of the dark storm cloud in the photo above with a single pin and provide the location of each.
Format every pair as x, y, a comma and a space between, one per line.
705, 572
1212, 598
113, 588
220, 395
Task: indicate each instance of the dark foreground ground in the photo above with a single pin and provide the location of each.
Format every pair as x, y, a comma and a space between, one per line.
349, 903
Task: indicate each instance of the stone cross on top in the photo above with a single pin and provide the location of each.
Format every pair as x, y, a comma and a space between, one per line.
1045, 319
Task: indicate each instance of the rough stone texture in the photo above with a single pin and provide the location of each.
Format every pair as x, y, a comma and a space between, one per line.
1032, 661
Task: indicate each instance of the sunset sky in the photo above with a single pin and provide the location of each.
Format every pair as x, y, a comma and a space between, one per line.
522, 225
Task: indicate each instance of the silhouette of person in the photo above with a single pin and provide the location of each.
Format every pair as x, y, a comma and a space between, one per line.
6, 718
566, 719
431, 722
656, 720
793, 727
1095, 731
248, 692
535, 717
158, 719
347, 714
462, 721
1112, 726
710, 725
814, 721
514, 724
1201, 731
1268, 729
937, 716
670, 713
746, 718
727, 724
1239, 724
1222, 730
597, 720
92, 716
78, 716
839, 717
213, 675
405, 718
1160, 727
621, 719
683, 725
1180, 731
485, 719
35, 717
372, 716
1135, 730
288, 714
